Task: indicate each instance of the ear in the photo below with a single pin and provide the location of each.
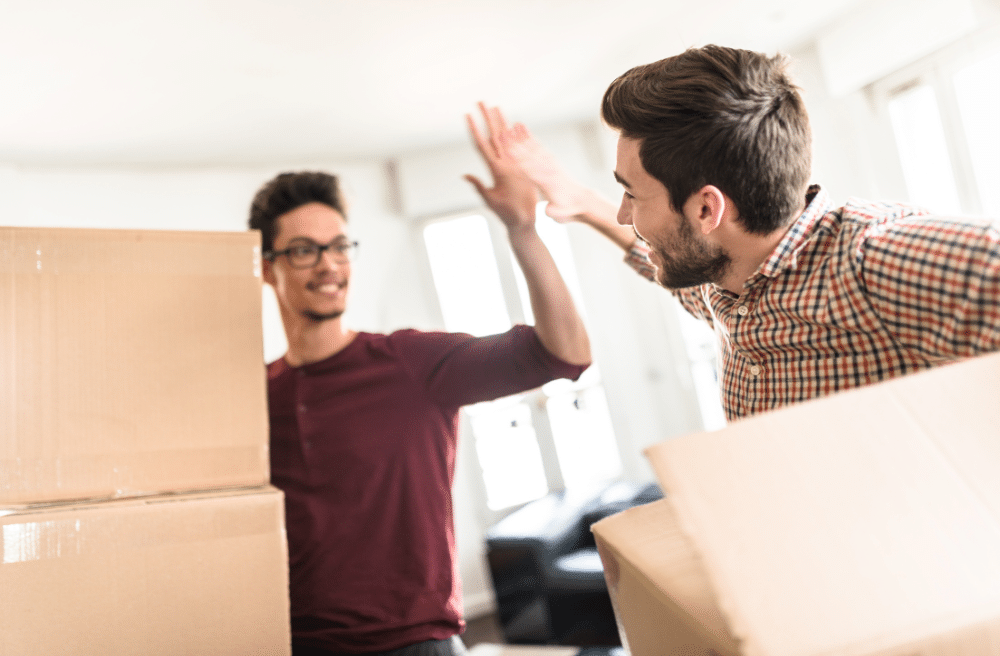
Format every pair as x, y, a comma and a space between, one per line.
267, 272
709, 206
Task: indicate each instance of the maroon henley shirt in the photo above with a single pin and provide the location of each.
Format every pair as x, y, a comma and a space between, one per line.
363, 446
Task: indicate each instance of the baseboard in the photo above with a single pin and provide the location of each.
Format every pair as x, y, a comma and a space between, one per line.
478, 604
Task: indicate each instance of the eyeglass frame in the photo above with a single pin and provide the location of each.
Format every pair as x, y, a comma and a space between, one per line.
339, 250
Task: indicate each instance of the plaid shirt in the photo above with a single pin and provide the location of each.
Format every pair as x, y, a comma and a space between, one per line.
851, 296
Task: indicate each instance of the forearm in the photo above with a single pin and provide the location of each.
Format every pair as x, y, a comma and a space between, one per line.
601, 214
557, 323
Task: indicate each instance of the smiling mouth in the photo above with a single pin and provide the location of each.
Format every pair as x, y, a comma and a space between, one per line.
327, 287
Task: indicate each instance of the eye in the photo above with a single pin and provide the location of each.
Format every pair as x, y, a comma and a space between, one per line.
302, 250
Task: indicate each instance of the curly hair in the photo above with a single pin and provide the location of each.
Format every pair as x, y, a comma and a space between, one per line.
287, 191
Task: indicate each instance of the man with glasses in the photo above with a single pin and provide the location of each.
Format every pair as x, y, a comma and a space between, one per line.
364, 426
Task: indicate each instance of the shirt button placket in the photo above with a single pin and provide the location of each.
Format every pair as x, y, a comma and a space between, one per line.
300, 410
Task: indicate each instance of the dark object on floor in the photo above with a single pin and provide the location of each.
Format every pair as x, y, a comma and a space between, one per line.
547, 575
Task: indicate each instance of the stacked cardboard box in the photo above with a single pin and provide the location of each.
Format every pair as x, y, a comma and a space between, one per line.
135, 511
865, 523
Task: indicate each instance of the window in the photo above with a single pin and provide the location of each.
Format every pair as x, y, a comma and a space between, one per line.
531, 443
582, 432
467, 280
702, 350
923, 150
943, 116
977, 89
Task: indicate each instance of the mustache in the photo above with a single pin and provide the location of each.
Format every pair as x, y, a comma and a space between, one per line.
327, 278
640, 238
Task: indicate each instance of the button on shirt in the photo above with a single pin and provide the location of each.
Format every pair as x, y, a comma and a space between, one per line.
851, 296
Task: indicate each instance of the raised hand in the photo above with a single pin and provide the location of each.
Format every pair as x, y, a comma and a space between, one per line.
513, 196
567, 198
521, 167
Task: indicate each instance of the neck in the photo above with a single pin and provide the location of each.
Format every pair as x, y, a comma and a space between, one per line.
311, 341
748, 252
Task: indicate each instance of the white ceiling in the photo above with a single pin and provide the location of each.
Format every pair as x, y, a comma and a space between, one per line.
232, 82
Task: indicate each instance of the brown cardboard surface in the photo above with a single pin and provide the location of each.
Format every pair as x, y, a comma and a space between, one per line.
662, 598
187, 574
131, 362
867, 522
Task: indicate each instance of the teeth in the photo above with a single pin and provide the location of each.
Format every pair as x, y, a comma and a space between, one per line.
328, 288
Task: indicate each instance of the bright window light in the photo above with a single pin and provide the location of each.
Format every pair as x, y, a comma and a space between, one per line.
508, 453
923, 151
557, 241
584, 438
977, 88
469, 289
702, 347
466, 277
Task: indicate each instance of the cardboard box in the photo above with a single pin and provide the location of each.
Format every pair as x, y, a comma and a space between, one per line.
187, 574
661, 594
131, 362
864, 523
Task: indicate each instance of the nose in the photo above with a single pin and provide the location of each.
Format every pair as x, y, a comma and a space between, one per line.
624, 216
328, 261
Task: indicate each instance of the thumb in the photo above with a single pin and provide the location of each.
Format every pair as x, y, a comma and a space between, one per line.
558, 213
477, 183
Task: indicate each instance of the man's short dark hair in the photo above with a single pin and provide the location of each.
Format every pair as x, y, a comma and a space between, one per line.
723, 117
288, 191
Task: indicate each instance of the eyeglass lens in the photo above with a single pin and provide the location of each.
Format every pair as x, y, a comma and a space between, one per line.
305, 254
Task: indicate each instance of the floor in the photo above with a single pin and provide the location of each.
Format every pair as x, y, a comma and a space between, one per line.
483, 629
483, 637
485, 649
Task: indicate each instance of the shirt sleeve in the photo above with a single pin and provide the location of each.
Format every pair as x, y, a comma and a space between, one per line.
935, 283
637, 257
691, 299
458, 369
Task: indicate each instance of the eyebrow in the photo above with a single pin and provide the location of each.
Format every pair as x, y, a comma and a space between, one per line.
621, 180
341, 238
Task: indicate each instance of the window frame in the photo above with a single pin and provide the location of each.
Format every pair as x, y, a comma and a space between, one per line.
937, 71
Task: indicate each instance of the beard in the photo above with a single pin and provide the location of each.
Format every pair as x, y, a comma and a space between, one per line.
693, 262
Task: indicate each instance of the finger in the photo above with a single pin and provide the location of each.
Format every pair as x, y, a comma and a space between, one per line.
477, 137
509, 145
477, 183
490, 129
501, 120
494, 122
557, 214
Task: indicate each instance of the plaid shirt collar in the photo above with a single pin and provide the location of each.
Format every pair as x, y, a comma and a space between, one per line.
785, 255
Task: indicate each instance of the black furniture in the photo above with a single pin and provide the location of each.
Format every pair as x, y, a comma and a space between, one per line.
547, 575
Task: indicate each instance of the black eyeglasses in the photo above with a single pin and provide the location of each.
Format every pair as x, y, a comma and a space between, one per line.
305, 253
